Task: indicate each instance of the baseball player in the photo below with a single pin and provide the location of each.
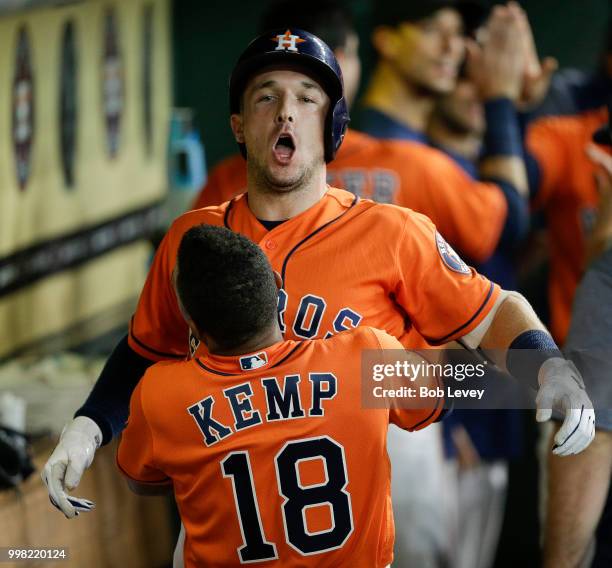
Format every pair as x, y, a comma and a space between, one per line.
579, 523
409, 174
343, 261
564, 188
272, 433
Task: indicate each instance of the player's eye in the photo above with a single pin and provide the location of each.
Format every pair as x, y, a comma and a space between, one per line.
309, 100
265, 98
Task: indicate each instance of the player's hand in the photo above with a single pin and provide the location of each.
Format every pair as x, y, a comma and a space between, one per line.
537, 73
494, 63
72, 456
562, 388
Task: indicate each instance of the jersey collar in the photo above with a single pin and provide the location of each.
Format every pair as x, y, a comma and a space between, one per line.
257, 361
239, 217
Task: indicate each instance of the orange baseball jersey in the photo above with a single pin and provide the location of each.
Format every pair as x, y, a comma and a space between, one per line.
408, 174
344, 262
273, 458
568, 195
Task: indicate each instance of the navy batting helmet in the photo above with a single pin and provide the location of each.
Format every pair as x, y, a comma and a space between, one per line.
302, 49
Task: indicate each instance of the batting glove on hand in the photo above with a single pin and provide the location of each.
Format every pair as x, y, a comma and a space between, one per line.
72, 456
562, 388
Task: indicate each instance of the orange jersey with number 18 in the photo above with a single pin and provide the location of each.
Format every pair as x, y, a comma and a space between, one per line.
344, 262
271, 454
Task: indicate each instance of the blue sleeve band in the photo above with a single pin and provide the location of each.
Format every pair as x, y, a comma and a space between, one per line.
517, 221
503, 134
108, 404
527, 353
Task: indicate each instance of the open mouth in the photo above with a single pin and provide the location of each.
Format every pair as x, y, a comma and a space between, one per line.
284, 147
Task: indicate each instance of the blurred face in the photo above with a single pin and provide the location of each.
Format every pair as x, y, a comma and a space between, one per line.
350, 64
462, 109
282, 124
428, 53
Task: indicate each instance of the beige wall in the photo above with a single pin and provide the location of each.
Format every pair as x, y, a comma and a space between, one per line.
104, 187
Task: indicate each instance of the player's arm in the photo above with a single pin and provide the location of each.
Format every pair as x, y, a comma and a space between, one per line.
135, 455
575, 506
510, 329
101, 418
457, 203
496, 66
105, 411
449, 301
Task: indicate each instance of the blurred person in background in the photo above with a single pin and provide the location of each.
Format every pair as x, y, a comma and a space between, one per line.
562, 186
579, 521
480, 444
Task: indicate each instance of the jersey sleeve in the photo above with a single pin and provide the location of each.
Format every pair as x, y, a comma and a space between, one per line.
444, 298
157, 330
414, 418
225, 181
135, 455
548, 142
437, 187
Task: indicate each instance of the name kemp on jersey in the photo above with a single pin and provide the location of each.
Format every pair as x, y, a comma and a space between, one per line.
281, 404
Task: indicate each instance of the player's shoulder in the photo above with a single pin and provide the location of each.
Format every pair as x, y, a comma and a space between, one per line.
211, 215
360, 338
400, 154
162, 375
393, 218
568, 126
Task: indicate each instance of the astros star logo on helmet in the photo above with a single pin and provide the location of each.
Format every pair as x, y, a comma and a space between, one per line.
287, 41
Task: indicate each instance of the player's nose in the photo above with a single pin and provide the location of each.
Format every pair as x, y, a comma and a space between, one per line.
285, 112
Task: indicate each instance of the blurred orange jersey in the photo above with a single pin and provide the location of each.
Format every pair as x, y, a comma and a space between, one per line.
273, 458
408, 174
344, 262
568, 195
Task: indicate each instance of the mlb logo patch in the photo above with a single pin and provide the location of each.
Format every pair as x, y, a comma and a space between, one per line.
251, 362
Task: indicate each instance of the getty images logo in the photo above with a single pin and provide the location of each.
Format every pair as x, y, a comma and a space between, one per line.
251, 362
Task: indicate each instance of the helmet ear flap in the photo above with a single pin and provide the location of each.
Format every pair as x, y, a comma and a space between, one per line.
335, 128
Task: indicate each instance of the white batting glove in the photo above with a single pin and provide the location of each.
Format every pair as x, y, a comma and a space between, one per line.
72, 456
562, 388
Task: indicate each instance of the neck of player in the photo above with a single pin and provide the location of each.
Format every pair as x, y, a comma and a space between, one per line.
392, 95
280, 203
464, 144
269, 336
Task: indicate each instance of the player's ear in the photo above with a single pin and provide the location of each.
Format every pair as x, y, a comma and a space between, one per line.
237, 127
385, 41
278, 280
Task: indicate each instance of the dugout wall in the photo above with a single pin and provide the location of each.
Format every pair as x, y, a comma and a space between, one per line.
84, 110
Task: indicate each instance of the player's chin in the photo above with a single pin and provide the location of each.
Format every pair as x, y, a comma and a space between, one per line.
285, 180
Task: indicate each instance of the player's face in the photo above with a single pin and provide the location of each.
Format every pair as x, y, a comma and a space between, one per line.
462, 110
282, 124
428, 53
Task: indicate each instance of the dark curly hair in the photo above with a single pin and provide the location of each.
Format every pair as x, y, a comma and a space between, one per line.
225, 284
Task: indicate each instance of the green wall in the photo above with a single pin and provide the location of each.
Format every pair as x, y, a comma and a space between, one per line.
209, 36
